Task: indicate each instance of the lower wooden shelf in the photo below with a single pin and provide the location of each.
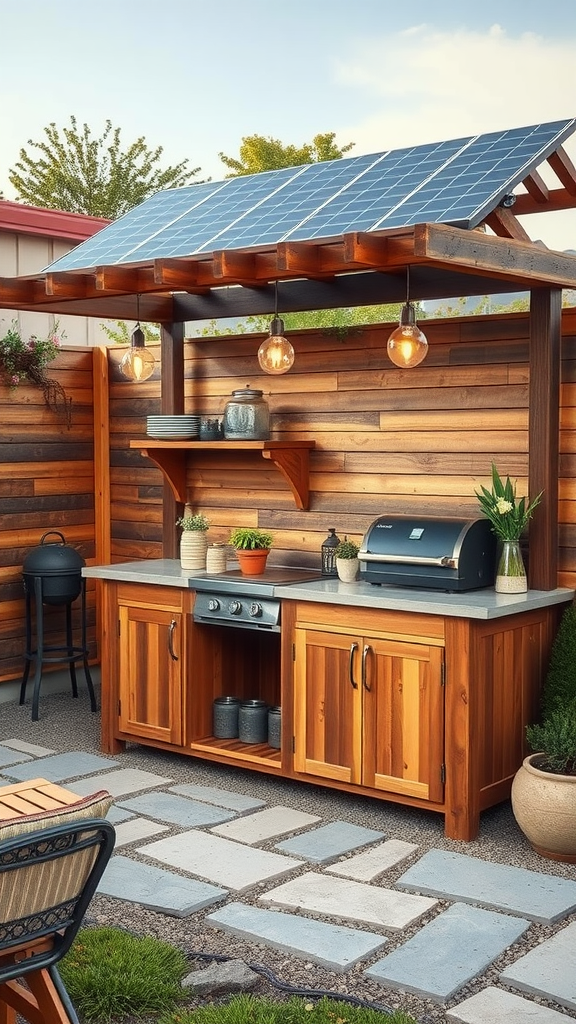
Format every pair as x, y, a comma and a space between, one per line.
252, 753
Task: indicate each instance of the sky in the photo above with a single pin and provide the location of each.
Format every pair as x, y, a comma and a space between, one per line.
197, 76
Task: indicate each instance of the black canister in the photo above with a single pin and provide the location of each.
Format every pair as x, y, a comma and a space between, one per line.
275, 727
253, 721
225, 715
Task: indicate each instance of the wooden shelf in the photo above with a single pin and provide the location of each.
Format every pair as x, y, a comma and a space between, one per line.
252, 753
290, 457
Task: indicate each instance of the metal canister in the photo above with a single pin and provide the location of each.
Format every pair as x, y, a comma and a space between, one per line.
275, 727
253, 721
225, 717
247, 416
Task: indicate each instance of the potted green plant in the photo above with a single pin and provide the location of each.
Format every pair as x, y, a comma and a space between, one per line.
544, 788
508, 517
347, 563
252, 548
193, 542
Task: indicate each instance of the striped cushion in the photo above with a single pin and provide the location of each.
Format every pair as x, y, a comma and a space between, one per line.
33, 888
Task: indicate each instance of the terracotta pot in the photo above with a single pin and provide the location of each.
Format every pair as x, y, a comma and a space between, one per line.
252, 562
193, 545
347, 569
544, 806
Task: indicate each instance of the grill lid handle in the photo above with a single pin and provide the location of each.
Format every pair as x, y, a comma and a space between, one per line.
444, 561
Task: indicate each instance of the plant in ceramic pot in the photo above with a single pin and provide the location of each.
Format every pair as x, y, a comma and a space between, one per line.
544, 788
252, 549
193, 542
347, 563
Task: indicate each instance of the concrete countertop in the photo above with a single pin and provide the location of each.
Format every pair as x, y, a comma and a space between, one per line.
472, 604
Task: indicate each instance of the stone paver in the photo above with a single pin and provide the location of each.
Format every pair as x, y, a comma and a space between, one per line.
160, 890
448, 952
61, 767
495, 1006
221, 797
321, 845
349, 900
262, 825
10, 756
219, 860
331, 945
28, 748
515, 890
366, 866
117, 814
119, 783
548, 969
135, 830
178, 810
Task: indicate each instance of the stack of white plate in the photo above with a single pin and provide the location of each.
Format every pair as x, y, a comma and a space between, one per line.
173, 428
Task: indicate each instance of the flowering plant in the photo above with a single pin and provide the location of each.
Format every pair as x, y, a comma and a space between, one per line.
193, 521
25, 362
507, 515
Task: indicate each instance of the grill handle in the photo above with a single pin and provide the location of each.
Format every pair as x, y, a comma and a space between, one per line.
444, 561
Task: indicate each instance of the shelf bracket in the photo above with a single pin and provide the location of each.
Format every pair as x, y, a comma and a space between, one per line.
293, 463
172, 464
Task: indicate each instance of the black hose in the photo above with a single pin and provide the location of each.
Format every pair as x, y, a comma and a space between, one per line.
295, 990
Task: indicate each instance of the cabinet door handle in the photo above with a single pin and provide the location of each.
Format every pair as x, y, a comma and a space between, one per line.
171, 629
364, 657
353, 649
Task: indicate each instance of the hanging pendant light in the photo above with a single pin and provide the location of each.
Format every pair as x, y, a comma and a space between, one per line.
138, 362
407, 345
276, 354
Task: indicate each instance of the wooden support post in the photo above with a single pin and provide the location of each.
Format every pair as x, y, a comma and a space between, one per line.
543, 434
172, 354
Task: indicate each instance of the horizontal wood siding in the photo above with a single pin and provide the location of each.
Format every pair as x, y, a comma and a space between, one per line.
387, 440
46, 483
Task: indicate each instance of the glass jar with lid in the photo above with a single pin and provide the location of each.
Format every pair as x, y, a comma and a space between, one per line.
247, 416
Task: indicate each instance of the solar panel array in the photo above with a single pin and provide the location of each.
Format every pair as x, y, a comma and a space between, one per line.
457, 182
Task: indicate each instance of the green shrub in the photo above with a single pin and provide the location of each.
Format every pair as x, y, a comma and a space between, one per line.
346, 549
248, 1009
246, 538
111, 974
559, 688
556, 737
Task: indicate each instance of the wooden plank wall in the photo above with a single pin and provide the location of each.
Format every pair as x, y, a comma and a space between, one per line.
46, 483
387, 440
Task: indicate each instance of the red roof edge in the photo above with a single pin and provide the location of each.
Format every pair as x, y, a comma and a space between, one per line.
35, 220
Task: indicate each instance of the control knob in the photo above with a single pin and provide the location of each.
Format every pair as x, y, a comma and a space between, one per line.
213, 604
235, 607
255, 609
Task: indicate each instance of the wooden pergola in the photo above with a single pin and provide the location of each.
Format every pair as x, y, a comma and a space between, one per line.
353, 269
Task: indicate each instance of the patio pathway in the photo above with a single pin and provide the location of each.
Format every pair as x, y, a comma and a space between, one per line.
294, 881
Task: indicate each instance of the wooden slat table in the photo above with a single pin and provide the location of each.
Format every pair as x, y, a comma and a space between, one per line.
33, 797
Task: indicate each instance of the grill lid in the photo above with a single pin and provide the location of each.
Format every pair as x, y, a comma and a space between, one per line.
53, 558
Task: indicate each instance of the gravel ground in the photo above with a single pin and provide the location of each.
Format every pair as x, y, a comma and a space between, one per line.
66, 724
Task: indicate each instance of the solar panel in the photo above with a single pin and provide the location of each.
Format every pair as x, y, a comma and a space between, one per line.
456, 182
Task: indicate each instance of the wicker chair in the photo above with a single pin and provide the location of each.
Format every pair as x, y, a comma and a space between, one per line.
47, 879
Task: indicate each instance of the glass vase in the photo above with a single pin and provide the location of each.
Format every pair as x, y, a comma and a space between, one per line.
511, 574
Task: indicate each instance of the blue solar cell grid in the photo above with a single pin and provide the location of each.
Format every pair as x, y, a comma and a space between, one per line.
456, 182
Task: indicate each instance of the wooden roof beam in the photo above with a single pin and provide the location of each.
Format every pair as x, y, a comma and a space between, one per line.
536, 187
505, 224
70, 286
378, 251
507, 259
178, 275
558, 199
310, 259
15, 291
233, 266
564, 169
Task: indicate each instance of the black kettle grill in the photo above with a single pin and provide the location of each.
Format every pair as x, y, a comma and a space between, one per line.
58, 565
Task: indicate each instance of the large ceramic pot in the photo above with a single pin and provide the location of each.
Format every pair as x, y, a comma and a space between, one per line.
193, 546
544, 806
347, 569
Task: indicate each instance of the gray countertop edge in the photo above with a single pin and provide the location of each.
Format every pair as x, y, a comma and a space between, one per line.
475, 604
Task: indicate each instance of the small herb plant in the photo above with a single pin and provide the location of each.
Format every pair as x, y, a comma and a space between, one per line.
246, 539
555, 739
25, 362
193, 521
346, 549
508, 515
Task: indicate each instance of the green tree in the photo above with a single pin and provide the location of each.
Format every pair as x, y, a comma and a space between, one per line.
70, 169
118, 333
260, 153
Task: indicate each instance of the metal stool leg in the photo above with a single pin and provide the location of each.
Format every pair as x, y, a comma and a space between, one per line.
84, 643
70, 650
39, 647
28, 654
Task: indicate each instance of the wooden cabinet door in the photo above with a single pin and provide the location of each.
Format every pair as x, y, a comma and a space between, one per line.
327, 705
403, 718
151, 651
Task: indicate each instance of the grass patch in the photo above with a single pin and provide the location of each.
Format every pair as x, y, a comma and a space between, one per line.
248, 1009
111, 974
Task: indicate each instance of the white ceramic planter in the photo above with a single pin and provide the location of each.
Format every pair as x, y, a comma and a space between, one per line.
193, 546
347, 569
